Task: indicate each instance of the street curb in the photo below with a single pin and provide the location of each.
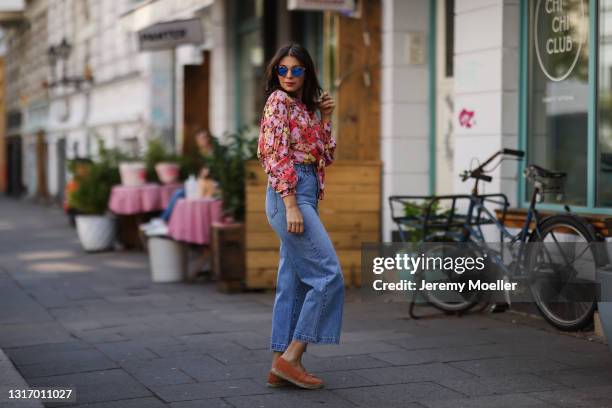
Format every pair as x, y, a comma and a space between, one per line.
11, 379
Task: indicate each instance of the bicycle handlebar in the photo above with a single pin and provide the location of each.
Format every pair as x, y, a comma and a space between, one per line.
478, 173
511, 152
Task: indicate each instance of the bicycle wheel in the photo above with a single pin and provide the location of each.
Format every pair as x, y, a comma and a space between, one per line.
448, 300
560, 269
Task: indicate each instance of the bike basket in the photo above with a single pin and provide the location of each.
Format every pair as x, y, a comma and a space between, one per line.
552, 187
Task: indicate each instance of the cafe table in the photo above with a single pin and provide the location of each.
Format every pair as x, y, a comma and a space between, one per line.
191, 223
134, 205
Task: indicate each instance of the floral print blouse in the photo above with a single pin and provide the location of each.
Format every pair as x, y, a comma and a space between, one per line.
290, 134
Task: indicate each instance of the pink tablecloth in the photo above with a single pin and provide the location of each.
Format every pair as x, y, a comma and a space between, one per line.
126, 200
192, 219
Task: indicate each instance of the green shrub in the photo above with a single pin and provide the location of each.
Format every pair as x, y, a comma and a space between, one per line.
94, 187
156, 152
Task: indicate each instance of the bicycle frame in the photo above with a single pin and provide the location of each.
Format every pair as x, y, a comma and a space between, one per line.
473, 233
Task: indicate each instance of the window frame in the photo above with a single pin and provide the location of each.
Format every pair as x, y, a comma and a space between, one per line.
592, 130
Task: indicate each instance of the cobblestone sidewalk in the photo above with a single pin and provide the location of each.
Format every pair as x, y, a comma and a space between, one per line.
96, 322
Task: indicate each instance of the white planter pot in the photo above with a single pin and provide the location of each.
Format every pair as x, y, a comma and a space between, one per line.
167, 173
168, 260
133, 174
96, 232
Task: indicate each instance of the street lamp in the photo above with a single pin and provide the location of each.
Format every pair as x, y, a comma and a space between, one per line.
61, 52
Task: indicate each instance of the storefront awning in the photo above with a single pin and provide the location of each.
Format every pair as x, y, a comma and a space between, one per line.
11, 11
170, 34
155, 12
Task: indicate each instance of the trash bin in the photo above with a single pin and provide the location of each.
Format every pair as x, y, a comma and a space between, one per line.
167, 259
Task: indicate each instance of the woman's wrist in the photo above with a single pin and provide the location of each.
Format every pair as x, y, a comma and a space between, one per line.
290, 201
325, 118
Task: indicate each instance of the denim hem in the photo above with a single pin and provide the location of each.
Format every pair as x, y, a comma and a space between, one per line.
278, 347
316, 340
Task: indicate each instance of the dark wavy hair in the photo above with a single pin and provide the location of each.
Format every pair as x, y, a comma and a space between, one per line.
311, 89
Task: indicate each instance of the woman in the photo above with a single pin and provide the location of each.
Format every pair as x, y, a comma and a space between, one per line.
294, 147
208, 187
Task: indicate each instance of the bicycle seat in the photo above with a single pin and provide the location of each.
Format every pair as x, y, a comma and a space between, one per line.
534, 170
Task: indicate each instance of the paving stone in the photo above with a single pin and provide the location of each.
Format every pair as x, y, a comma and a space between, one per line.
321, 365
258, 371
508, 365
592, 397
160, 376
449, 354
497, 401
232, 357
98, 386
405, 374
126, 350
580, 378
207, 403
10, 379
398, 395
126, 403
101, 336
77, 362
30, 334
352, 348
213, 389
46, 352
343, 379
425, 341
500, 385
582, 359
294, 398
246, 339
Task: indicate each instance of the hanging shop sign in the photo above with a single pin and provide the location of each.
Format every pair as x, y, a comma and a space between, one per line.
321, 5
559, 35
167, 35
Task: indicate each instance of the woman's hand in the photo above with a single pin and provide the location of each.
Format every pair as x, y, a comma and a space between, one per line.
295, 221
326, 106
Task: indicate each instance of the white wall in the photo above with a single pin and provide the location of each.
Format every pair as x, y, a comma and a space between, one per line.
405, 106
221, 97
486, 82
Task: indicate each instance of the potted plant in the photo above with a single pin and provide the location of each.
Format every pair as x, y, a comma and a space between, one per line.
160, 165
77, 167
95, 228
227, 166
416, 211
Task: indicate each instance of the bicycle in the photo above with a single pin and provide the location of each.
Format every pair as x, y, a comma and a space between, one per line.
548, 275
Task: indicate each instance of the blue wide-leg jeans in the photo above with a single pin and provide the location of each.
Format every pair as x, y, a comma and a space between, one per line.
310, 286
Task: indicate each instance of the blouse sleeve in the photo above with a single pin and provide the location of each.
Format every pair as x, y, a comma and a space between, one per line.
329, 143
273, 148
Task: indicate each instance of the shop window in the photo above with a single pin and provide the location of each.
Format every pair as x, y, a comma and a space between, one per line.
558, 93
258, 37
251, 60
604, 139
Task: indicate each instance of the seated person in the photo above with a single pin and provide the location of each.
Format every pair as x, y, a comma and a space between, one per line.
208, 188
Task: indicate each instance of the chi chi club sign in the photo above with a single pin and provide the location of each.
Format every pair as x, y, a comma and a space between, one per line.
559, 33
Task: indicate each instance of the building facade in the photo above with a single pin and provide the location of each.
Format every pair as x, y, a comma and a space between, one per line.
453, 82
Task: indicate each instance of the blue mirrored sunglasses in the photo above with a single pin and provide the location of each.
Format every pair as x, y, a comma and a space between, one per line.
295, 71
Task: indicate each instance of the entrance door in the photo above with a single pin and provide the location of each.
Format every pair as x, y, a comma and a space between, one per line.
196, 101
61, 169
41, 166
15, 186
